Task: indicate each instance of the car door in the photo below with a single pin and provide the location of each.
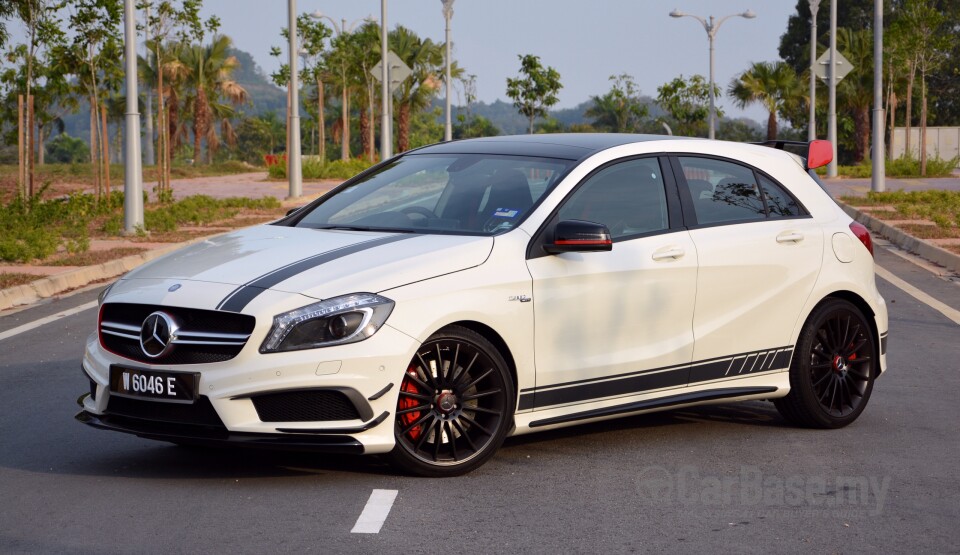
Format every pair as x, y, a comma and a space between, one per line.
616, 323
759, 256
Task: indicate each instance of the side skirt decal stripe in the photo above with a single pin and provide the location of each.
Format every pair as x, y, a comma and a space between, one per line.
670, 376
663, 402
241, 296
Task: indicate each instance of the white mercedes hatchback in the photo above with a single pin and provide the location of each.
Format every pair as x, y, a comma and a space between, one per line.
467, 291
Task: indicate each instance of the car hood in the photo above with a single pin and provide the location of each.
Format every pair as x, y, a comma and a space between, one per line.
317, 263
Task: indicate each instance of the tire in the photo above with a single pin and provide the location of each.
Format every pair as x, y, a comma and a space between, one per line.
833, 368
456, 404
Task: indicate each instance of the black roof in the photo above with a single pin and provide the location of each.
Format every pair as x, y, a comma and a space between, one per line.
570, 146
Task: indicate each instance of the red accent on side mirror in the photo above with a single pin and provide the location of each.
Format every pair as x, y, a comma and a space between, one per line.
819, 153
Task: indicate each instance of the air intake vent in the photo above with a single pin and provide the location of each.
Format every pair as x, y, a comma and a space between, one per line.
318, 405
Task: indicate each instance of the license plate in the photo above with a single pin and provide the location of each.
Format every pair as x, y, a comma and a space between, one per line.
175, 387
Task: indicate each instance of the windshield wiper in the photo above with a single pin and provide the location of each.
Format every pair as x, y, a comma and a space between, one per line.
366, 228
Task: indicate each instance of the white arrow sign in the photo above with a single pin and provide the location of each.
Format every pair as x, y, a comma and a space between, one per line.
397, 71
822, 68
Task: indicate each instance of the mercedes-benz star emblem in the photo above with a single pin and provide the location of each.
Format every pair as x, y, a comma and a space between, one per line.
157, 334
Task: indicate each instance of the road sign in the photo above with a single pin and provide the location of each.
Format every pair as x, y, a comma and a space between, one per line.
397, 71
822, 67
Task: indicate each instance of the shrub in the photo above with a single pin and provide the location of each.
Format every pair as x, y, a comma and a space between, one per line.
313, 168
67, 150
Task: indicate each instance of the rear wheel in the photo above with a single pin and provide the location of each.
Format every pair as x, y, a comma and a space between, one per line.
455, 406
833, 368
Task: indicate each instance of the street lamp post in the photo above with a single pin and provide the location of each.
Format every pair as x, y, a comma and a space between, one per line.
133, 172
832, 108
447, 16
814, 8
711, 27
386, 130
293, 125
878, 175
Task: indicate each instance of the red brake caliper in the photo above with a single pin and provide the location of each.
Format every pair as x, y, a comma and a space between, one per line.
409, 402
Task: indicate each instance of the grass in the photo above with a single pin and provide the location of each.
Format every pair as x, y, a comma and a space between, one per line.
313, 168
37, 229
8, 280
921, 231
91, 258
937, 206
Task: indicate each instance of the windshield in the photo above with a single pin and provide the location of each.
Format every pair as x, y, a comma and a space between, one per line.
450, 193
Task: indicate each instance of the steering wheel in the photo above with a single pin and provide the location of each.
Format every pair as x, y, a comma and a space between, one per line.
426, 213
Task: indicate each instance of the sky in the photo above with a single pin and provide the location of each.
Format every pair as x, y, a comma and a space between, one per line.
586, 42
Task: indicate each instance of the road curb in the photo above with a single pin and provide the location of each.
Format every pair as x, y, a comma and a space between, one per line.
53, 285
904, 240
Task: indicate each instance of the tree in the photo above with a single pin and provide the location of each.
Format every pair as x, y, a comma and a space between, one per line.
772, 84
425, 59
162, 69
855, 91
312, 34
620, 110
65, 149
94, 57
209, 69
795, 41
944, 85
468, 127
928, 46
534, 91
7, 11
35, 73
688, 102
338, 59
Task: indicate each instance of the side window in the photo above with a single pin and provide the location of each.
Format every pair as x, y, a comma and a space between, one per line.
779, 203
627, 197
722, 191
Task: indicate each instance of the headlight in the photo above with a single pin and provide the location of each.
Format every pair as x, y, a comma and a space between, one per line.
335, 321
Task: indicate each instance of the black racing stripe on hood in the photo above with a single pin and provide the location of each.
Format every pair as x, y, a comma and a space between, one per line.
241, 296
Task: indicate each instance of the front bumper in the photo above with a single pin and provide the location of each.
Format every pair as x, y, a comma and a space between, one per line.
205, 435
370, 371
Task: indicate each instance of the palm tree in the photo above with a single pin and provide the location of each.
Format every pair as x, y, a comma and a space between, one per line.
338, 60
208, 80
163, 68
855, 91
620, 110
775, 85
425, 59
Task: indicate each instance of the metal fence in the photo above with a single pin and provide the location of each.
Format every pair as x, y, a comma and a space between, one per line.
942, 142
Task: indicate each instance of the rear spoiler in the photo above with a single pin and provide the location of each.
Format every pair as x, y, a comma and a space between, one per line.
818, 153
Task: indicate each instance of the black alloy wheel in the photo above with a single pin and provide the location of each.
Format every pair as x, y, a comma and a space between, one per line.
455, 405
833, 368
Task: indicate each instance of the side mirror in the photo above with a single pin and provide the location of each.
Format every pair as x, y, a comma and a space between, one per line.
579, 236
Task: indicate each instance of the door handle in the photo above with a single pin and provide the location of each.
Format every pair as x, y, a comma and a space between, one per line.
789, 237
669, 253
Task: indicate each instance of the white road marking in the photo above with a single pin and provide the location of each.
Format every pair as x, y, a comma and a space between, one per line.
375, 512
948, 311
43, 321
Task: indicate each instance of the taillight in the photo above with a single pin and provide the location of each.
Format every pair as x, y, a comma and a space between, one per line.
863, 234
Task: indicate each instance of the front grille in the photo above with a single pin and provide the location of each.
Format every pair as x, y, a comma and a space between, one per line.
317, 405
204, 336
199, 413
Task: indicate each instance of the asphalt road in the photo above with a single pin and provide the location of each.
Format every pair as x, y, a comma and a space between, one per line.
726, 478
